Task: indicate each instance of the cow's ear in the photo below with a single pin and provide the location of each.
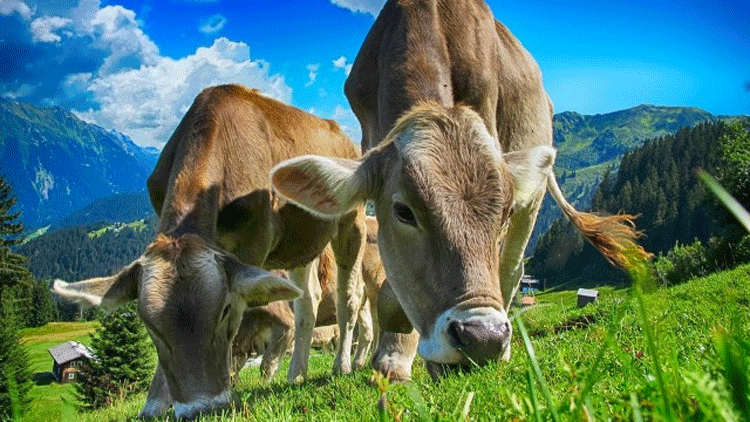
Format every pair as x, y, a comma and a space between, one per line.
107, 292
530, 169
326, 187
255, 285
391, 315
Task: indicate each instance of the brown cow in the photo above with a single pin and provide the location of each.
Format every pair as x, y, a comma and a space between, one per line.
210, 189
268, 330
459, 132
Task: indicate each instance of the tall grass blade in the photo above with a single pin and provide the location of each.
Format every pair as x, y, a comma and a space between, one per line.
736, 368
637, 416
532, 396
729, 202
537, 369
641, 275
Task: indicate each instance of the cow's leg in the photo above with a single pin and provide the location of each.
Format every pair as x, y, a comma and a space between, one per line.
511, 257
158, 400
281, 340
348, 248
238, 362
365, 335
394, 355
305, 313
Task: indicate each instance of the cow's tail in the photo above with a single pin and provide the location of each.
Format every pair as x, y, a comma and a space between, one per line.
614, 236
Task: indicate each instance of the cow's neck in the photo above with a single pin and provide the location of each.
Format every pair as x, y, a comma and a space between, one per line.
197, 216
426, 68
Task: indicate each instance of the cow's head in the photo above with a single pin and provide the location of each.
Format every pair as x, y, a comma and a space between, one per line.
191, 298
443, 194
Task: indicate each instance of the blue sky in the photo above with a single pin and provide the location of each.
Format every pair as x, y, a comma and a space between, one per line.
135, 66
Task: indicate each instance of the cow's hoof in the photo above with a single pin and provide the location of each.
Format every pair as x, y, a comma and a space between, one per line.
395, 370
342, 369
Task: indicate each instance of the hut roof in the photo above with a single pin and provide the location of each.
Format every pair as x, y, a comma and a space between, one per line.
69, 351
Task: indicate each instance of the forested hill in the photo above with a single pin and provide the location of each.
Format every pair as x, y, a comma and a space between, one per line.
57, 163
658, 182
583, 141
87, 251
588, 144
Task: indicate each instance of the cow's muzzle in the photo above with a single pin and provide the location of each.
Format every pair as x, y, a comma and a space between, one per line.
202, 405
467, 337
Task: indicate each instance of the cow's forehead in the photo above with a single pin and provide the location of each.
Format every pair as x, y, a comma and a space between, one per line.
454, 166
181, 272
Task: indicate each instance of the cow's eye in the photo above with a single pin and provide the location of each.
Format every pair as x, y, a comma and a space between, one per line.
404, 214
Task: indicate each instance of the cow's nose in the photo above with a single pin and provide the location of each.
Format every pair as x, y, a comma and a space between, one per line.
479, 341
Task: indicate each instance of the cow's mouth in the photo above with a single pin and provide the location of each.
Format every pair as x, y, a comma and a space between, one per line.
441, 370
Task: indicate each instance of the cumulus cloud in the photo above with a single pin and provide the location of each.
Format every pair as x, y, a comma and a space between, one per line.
341, 63
9, 7
213, 24
312, 73
148, 103
361, 6
98, 61
45, 29
117, 31
345, 117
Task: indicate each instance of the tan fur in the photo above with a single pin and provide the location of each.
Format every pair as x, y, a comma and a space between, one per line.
211, 191
454, 95
278, 317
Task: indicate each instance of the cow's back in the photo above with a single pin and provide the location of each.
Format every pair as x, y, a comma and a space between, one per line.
212, 176
450, 52
230, 138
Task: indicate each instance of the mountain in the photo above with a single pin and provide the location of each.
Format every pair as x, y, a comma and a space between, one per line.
583, 141
587, 145
58, 163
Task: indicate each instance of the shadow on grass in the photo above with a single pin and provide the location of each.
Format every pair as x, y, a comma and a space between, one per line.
43, 378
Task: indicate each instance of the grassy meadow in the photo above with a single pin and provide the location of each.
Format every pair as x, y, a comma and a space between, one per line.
676, 353
51, 401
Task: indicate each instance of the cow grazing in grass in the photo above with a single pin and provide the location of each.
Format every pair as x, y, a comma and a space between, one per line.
269, 330
458, 132
220, 223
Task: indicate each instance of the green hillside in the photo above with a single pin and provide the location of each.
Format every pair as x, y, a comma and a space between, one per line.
671, 354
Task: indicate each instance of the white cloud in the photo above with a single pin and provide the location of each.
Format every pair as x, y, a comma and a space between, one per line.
312, 74
345, 117
341, 63
361, 6
116, 30
22, 91
213, 24
8, 7
45, 29
148, 103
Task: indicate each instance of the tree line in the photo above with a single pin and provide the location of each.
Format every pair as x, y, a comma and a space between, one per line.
658, 182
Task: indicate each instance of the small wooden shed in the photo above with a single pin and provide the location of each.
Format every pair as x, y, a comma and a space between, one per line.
586, 296
67, 359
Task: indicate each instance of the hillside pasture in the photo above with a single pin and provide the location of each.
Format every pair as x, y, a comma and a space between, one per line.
679, 353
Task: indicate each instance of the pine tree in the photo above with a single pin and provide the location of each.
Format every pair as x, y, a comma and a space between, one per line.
43, 306
13, 271
15, 375
123, 363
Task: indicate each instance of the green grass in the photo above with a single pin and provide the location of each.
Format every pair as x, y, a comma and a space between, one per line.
51, 401
662, 354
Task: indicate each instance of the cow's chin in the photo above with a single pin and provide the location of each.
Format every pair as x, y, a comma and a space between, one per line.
201, 405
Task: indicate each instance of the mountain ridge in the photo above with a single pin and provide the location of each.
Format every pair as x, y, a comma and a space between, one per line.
57, 163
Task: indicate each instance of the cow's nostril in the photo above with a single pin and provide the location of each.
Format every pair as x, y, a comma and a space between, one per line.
479, 341
457, 334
